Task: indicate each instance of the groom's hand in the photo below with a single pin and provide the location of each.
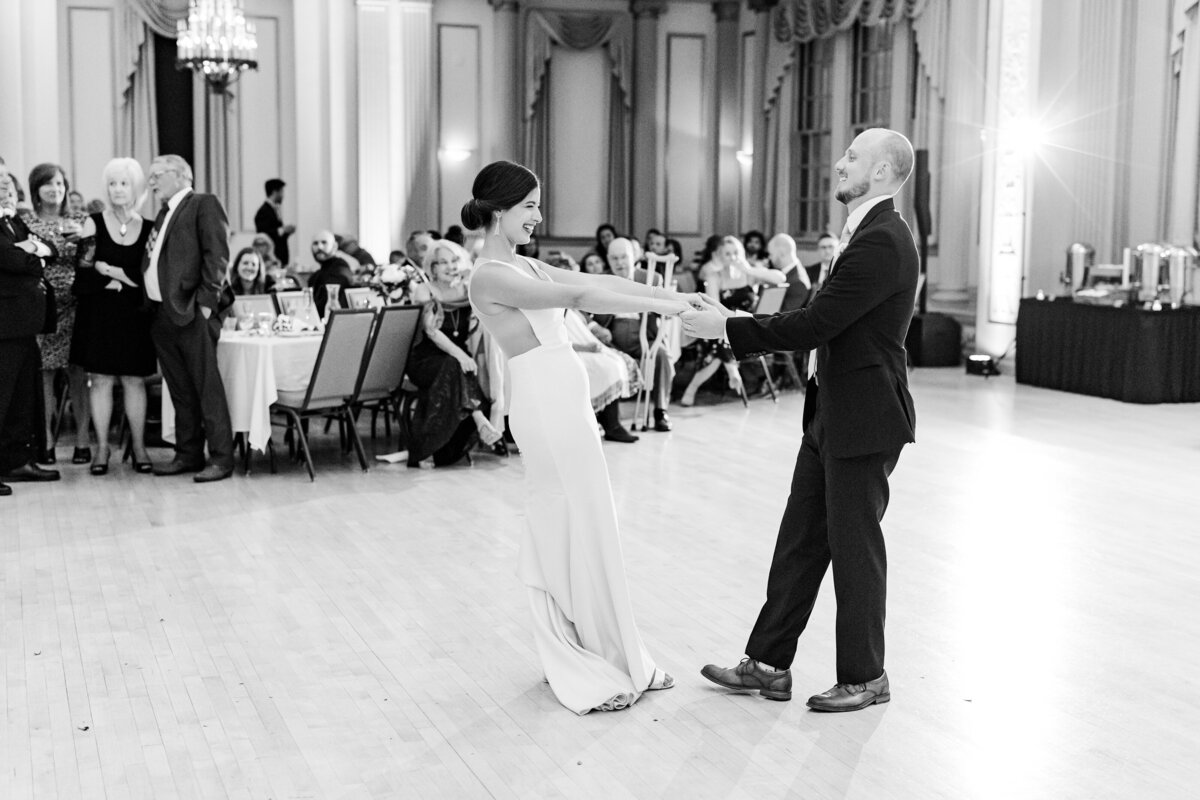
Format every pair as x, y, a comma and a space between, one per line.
708, 323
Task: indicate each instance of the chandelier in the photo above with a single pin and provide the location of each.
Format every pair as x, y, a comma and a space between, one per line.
216, 41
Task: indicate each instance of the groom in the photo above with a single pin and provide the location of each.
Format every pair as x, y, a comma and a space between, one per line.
858, 415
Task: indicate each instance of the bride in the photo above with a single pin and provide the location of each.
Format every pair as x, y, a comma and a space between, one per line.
571, 562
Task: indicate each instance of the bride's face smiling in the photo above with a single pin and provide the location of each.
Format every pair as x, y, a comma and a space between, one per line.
518, 222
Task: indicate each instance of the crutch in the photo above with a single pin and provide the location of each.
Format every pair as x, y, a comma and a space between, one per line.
643, 404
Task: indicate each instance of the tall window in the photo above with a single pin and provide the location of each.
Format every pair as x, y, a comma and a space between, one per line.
871, 79
811, 146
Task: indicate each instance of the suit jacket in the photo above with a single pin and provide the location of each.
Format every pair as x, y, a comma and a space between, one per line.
857, 323
22, 299
797, 293
267, 221
814, 272
194, 257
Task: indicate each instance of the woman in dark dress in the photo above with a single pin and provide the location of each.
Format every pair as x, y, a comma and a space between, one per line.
112, 331
451, 411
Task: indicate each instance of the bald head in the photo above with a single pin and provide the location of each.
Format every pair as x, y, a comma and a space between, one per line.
782, 250
877, 163
324, 244
894, 149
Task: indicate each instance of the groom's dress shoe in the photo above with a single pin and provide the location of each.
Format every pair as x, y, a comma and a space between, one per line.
30, 473
212, 473
176, 467
748, 676
852, 696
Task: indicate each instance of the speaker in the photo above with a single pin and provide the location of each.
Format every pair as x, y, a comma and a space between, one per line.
934, 340
921, 193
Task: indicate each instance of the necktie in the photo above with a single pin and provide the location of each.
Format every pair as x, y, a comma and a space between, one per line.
158, 223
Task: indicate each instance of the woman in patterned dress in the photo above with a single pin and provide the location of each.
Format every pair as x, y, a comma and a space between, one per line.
50, 221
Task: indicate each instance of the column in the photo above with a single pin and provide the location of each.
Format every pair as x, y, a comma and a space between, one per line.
957, 225
758, 167
506, 83
643, 206
726, 118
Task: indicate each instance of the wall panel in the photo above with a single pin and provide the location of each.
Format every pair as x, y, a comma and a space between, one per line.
579, 95
684, 146
259, 99
92, 98
459, 151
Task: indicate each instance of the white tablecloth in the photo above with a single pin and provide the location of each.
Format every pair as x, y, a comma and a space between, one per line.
254, 369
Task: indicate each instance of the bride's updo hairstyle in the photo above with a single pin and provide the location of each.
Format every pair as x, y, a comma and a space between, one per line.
498, 187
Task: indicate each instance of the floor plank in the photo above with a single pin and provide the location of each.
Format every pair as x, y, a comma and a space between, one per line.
365, 635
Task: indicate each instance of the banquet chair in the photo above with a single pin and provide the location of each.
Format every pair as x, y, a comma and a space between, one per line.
770, 301
335, 379
285, 302
384, 364
253, 304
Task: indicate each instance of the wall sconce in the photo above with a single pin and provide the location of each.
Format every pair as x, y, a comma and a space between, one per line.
454, 154
745, 157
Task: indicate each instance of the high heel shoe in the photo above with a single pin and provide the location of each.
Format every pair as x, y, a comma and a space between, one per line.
47, 456
82, 455
99, 468
143, 467
500, 448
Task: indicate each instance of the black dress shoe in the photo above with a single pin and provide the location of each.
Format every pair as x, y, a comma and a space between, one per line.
212, 473
748, 676
176, 467
5, 490
662, 423
30, 473
852, 696
82, 455
619, 434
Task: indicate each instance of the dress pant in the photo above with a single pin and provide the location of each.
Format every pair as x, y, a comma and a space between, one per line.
20, 401
833, 517
187, 355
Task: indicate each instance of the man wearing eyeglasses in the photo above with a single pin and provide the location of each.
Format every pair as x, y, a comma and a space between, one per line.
185, 264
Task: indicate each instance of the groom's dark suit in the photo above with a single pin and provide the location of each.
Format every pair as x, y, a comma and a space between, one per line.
858, 416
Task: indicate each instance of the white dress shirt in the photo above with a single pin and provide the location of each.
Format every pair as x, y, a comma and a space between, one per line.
153, 290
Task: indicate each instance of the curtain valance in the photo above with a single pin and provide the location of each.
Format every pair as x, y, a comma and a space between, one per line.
544, 29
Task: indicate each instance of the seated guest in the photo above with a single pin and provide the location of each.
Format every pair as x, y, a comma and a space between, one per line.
22, 314
417, 247
111, 339
396, 257
248, 275
280, 280
827, 245
625, 330
612, 376
455, 234
728, 279
685, 272
352, 248
755, 245
594, 264
531, 249
781, 251
451, 411
332, 270
656, 242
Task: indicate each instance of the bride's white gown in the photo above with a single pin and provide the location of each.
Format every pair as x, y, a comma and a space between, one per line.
570, 558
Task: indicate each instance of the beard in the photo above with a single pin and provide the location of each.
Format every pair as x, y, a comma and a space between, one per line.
852, 191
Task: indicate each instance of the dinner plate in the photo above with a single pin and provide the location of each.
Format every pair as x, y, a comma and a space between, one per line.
293, 334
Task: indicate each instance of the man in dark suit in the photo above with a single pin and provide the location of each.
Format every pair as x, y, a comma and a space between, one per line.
22, 311
858, 417
186, 261
781, 251
269, 220
827, 245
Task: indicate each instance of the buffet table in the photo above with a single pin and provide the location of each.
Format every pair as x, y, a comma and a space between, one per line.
1123, 353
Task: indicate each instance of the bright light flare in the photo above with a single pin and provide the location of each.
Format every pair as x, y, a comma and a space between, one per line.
455, 154
1025, 136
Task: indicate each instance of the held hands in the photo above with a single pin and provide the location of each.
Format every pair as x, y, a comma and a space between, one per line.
707, 321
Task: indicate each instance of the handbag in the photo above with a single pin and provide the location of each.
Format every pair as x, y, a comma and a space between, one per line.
50, 323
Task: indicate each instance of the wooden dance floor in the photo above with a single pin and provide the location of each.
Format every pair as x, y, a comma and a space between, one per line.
364, 636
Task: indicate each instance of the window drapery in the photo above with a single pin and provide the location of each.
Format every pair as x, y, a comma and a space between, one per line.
612, 31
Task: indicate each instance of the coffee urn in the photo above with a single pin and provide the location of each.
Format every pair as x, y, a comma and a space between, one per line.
1080, 258
1181, 266
1149, 270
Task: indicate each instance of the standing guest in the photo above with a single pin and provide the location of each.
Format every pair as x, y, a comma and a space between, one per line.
827, 245
269, 220
332, 270
112, 330
248, 274
22, 312
50, 222
76, 205
184, 268
858, 416
451, 412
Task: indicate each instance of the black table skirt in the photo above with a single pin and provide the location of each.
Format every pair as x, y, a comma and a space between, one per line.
1123, 353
